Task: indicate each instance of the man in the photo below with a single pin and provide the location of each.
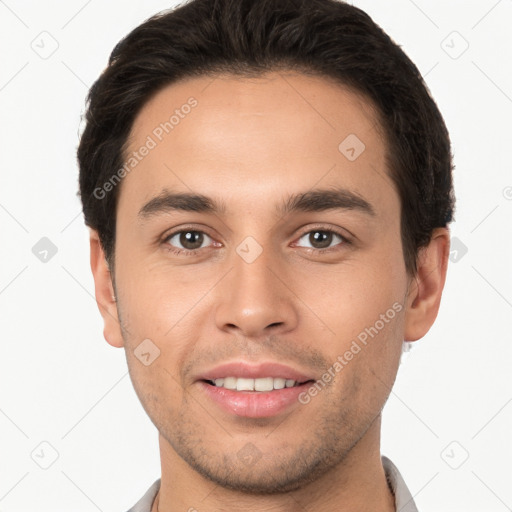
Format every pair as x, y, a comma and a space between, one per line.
268, 185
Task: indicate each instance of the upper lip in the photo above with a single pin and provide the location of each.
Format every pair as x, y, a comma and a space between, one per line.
249, 370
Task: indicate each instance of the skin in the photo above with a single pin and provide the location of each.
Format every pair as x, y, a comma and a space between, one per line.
251, 143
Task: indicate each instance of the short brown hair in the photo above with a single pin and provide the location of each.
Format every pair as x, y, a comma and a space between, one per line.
327, 38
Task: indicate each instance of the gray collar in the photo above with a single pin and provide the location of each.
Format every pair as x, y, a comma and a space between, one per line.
404, 501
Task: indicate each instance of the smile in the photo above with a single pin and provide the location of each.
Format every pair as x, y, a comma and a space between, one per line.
261, 384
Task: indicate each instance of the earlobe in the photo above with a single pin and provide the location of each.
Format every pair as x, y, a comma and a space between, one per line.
104, 292
426, 288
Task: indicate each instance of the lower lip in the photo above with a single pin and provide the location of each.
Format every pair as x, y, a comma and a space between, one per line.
254, 404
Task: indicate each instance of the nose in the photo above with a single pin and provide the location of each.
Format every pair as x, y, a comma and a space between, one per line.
256, 299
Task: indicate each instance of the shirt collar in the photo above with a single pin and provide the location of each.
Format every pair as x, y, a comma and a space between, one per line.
404, 501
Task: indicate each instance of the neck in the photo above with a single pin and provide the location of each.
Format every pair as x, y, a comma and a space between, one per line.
358, 482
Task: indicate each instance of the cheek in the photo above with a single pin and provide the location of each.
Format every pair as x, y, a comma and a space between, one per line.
159, 393
156, 300
365, 363
362, 305
155, 343
355, 299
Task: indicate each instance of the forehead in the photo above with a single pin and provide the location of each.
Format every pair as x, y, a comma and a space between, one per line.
245, 137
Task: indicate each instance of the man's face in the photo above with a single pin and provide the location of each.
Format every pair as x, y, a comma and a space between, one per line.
256, 284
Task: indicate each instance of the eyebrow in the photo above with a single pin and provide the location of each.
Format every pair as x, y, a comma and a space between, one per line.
316, 200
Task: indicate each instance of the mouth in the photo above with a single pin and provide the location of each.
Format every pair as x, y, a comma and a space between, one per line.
254, 398
249, 390
260, 385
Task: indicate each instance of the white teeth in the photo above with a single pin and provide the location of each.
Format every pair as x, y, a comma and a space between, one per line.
265, 384
279, 383
261, 384
245, 384
229, 383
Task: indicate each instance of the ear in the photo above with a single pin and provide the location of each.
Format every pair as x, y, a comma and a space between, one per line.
104, 292
426, 288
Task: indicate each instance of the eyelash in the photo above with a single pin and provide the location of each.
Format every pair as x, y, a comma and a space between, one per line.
186, 252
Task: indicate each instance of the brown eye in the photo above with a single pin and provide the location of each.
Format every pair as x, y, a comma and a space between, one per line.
322, 238
187, 240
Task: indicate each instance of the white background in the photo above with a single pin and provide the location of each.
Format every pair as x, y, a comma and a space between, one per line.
62, 384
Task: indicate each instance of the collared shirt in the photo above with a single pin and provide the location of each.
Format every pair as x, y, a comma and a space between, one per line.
403, 499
